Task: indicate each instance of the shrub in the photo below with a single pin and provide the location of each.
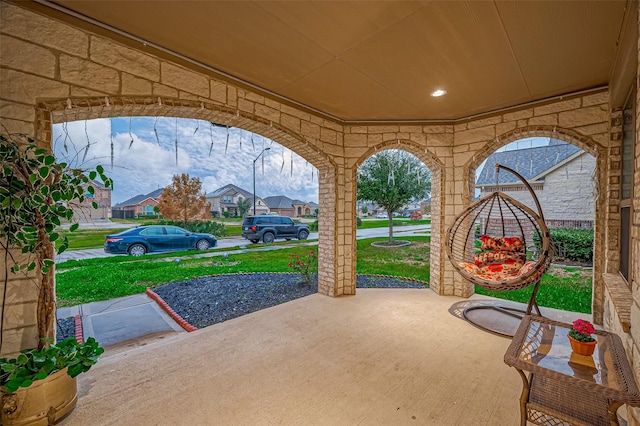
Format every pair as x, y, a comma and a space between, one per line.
358, 222
572, 244
313, 227
306, 268
203, 227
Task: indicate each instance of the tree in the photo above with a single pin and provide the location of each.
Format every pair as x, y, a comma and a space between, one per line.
244, 205
36, 193
183, 201
391, 179
364, 210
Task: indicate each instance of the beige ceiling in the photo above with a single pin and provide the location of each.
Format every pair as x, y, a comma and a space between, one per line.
362, 60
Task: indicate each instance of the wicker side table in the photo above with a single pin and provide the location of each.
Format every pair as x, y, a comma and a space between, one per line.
563, 388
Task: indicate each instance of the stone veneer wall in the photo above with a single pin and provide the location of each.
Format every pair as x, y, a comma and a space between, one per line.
52, 72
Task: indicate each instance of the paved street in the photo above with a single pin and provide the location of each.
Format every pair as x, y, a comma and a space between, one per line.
241, 243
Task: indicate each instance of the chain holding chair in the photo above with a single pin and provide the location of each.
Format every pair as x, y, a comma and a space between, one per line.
498, 243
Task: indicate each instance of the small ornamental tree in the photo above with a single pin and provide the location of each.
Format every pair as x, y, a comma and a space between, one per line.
183, 200
36, 193
391, 179
244, 205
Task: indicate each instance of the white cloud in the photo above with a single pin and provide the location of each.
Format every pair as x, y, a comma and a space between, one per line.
150, 162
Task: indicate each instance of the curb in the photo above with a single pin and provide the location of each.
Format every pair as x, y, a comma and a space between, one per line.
78, 329
177, 318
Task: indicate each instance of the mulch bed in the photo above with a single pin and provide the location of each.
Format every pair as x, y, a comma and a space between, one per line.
209, 300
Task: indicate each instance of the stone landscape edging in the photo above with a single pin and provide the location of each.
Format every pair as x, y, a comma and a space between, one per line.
177, 318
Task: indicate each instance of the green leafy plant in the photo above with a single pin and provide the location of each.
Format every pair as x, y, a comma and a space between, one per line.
36, 196
34, 364
571, 244
306, 268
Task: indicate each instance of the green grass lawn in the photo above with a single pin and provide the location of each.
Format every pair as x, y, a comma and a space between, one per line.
568, 289
98, 279
397, 221
88, 238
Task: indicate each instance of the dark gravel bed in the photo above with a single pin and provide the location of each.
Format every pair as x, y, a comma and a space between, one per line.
66, 327
209, 300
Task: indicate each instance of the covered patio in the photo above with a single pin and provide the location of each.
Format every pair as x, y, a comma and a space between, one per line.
337, 82
386, 356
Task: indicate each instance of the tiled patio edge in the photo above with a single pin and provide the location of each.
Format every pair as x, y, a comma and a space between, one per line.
177, 318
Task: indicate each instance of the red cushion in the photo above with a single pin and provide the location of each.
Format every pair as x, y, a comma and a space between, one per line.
514, 244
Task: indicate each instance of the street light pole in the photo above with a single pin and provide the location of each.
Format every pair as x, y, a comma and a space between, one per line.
254, 179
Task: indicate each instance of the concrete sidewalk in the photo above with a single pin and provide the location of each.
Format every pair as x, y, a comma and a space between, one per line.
124, 322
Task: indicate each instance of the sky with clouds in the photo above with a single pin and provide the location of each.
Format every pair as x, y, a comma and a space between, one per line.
144, 156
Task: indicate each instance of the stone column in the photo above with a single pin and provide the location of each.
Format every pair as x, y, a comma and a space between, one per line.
336, 228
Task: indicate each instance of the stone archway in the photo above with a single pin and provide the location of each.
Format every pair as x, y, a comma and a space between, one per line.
71, 109
436, 168
590, 146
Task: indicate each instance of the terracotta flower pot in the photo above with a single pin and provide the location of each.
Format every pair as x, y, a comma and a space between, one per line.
582, 348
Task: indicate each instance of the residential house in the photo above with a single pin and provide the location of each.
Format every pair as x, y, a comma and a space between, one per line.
226, 199
84, 212
280, 204
285, 206
560, 174
304, 208
140, 205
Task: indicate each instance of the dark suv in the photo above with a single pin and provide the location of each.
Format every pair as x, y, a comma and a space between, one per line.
268, 228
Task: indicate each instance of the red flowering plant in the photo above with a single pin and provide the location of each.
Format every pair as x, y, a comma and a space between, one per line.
306, 268
582, 330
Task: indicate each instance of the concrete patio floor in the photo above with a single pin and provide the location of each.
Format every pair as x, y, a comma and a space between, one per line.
382, 357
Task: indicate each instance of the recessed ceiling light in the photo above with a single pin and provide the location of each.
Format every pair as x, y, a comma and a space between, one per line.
438, 93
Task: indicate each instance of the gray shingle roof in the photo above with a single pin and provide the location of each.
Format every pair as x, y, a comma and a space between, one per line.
279, 202
218, 192
529, 162
140, 198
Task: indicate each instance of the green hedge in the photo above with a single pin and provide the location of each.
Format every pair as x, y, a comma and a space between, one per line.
572, 244
203, 227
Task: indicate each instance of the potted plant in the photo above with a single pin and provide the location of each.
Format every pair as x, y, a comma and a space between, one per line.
581, 339
36, 196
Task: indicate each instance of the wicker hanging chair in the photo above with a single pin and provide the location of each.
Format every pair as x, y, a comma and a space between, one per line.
498, 243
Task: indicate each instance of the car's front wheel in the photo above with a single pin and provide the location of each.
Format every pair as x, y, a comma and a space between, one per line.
203, 245
268, 237
302, 235
137, 250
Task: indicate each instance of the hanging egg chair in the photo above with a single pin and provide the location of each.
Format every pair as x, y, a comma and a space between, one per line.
499, 243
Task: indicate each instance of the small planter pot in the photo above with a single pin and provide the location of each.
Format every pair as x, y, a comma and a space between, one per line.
43, 403
582, 348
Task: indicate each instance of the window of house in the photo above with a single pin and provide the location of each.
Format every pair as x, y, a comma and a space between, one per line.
626, 193
147, 210
227, 199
